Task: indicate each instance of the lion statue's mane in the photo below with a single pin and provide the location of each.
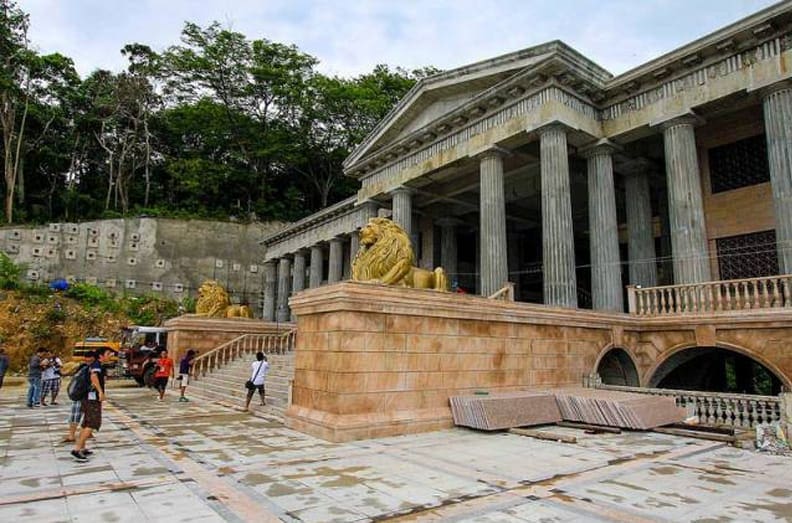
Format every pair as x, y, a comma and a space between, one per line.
213, 302
386, 256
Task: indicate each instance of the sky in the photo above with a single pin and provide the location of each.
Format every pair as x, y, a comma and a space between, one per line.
350, 37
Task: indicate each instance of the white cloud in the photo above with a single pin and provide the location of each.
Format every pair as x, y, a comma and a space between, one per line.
349, 38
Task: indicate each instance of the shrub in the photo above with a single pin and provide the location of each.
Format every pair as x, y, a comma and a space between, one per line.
9, 272
92, 296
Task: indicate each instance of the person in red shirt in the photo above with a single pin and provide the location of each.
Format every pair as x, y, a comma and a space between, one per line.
163, 372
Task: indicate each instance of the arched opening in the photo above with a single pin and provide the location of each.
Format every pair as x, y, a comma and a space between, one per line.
713, 369
616, 368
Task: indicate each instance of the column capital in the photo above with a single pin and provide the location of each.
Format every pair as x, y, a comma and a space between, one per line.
552, 127
636, 166
401, 189
770, 90
271, 262
600, 147
493, 151
691, 119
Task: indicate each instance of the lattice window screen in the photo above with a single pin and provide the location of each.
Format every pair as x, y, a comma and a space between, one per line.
739, 164
748, 256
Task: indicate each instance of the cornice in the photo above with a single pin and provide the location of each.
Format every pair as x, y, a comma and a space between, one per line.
324, 215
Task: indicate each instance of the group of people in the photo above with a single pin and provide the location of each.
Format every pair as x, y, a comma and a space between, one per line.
44, 378
160, 369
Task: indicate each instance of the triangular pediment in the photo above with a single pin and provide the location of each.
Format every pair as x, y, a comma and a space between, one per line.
439, 95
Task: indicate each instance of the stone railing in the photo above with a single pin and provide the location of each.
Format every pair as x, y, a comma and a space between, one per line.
242, 345
714, 296
718, 408
505, 293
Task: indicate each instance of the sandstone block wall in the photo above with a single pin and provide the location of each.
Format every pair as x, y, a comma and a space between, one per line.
141, 255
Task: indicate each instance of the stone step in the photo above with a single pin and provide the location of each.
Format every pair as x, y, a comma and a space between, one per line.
237, 393
273, 408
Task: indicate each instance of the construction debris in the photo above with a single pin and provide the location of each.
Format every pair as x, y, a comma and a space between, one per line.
543, 434
770, 438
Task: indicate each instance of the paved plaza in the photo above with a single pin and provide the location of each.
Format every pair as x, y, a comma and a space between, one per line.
202, 462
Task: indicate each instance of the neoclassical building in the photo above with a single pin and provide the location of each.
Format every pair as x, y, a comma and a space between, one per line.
543, 169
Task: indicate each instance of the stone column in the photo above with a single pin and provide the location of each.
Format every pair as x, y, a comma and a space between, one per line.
282, 313
558, 241
685, 205
402, 208
354, 246
336, 260
492, 224
448, 247
606, 288
640, 233
298, 272
268, 312
778, 129
317, 259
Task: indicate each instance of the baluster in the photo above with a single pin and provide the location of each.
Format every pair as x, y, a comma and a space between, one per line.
700, 409
662, 297
776, 296
682, 299
718, 296
766, 300
785, 290
718, 411
639, 303
756, 300
710, 297
746, 295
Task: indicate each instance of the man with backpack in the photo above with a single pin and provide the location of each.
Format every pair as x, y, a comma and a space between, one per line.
92, 404
75, 412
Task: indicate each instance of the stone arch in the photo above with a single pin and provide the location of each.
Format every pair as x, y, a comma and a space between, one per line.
678, 355
616, 366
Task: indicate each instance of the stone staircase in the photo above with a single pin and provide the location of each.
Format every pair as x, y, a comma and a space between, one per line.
222, 374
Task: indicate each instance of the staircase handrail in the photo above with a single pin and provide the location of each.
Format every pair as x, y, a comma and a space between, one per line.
269, 343
505, 293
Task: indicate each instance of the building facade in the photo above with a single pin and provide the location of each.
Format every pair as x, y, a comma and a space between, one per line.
543, 169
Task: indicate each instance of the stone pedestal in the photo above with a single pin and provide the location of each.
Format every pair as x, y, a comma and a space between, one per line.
492, 212
686, 208
778, 128
558, 241
640, 235
606, 289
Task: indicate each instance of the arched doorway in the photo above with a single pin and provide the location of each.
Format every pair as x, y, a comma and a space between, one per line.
715, 369
617, 368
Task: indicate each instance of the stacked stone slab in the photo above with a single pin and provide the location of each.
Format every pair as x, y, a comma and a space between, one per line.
618, 409
505, 410
591, 406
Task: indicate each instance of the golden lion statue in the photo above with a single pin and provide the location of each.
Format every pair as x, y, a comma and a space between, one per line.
386, 256
213, 302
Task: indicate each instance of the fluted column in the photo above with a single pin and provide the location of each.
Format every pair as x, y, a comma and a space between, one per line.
685, 205
640, 234
558, 241
298, 272
336, 261
492, 220
606, 288
354, 246
268, 312
402, 208
448, 246
778, 128
283, 313
317, 259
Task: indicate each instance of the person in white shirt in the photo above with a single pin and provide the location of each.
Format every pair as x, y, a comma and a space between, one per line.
51, 380
258, 373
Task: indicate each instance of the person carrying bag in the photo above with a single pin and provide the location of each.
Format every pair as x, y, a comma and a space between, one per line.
259, 369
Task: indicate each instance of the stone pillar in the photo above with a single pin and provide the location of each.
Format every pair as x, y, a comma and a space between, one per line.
606, 288
336, 261
268, 310
558, 241
317, 259
492, 224
298, 272
402, 208
685, 205
778, 129
448, 247
282, 313
354, 246
640, 233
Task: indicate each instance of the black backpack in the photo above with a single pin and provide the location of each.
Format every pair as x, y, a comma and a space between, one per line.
80, 384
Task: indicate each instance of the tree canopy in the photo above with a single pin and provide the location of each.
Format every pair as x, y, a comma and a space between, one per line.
217, 126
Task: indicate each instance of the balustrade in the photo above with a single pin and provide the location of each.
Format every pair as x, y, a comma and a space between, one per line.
280, 343
727, 295
718, 408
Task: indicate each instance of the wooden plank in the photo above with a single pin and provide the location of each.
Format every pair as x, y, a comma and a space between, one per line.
711, 436
543, 434
586, 426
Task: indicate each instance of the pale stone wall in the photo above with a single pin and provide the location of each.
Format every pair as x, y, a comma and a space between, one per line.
140, 255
